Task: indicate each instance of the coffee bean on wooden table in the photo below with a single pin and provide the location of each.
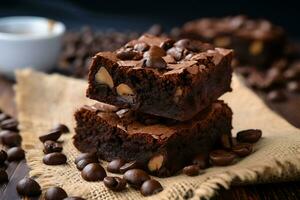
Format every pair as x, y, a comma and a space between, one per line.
92, 155
28, 187
242, 149
114, 165
191, 170
93, 172
15, 154
74, 198
3, 176
9, 124
52, 135
151, 187
201, 160
55, 158
136, 177
115, 183
61, 127
10, 138
84, 162
221, 157
51, 146
250, 135
276, 96
130, 165
55, 193
3, 157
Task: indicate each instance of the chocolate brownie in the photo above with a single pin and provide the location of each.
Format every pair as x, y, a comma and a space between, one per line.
163, 146
256, 42
158, 76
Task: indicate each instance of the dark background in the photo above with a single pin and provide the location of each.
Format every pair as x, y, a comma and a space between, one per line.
139, 15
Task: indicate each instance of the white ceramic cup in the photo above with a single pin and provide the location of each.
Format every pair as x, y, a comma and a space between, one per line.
29, 42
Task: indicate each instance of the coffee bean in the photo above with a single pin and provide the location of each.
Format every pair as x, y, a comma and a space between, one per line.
15, 154
114, 166
276, 96
293, 86
55, 193
167, 44
115, 183
62, 128
130, 165
155, 51
136, 177
3, 117
201, 161
93, 172
151, 187
91, 156
141, 47
84, 162
3, 157
250, 135
51, 146
55, 158
52, 135
129, 55
242, 149
28, 187
10, 138
74, 198
9, 124
155, 62
191, 170
221, 157
3, 176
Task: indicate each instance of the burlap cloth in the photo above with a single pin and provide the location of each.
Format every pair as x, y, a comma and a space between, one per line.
44, 100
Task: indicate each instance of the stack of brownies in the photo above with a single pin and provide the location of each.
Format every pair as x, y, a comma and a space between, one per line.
158, 103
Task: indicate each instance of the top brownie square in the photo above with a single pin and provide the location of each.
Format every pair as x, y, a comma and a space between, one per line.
158, 76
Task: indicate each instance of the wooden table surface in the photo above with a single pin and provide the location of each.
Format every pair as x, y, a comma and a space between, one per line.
290, 110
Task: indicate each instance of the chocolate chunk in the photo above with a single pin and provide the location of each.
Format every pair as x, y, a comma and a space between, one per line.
250, 135
3, 157
9, 124
74, 198
151, 187
176, 52
130, 165
187, 44
93, 156
293, 86
201, 161
10, 138
276, 96
191, 170
93, 172
141, 47
51, 146
52, 135
55, 158
128, 54
155, 51
55, 193
3, 176
62, 128
115, 183
28, 187
15, 154
155, 62
166, 44
221, 158
242, 149
3, 117
136, 177
84, 162
115, 165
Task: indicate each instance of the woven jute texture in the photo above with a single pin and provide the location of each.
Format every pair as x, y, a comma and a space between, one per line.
44, 100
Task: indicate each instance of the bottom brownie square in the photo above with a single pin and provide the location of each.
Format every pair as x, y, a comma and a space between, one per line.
162, 145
